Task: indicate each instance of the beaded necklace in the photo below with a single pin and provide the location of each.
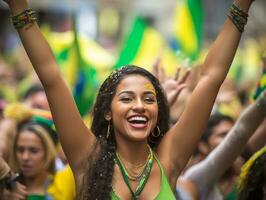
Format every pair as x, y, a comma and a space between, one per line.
142, 177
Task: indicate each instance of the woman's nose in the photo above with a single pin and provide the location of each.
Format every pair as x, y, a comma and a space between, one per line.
139, 106
25, 155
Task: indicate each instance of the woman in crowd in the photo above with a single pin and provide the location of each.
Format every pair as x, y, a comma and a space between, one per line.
32, 156
130, 151
59, 186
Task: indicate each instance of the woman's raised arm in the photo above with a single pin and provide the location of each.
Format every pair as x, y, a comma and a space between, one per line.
74, 136
178, 145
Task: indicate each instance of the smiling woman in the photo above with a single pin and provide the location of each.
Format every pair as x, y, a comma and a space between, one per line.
136, 108
129, 99
130, 152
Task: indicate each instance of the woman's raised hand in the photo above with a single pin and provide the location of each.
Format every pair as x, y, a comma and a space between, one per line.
171, 85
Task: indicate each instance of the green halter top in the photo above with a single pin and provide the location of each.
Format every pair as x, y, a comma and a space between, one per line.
165, 188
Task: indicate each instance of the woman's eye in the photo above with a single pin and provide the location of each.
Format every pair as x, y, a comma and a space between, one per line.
125, 99
34, 150
20, 150
149, 100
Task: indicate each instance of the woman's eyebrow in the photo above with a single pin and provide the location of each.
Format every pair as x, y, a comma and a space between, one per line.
150, 92
126, 92
131, 92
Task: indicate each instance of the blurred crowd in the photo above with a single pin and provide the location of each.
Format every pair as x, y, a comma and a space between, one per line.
31, 157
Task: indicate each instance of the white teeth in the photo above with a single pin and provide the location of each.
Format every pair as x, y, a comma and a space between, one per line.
138, 118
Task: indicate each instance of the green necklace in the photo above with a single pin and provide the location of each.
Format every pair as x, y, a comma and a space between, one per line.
144, 177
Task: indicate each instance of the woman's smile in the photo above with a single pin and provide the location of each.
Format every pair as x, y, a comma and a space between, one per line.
138, 121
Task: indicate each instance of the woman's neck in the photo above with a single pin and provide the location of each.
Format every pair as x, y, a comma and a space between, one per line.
37, 184
133, 152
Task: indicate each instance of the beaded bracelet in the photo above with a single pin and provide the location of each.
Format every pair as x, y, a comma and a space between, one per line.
238, 17
236, 9
24, 19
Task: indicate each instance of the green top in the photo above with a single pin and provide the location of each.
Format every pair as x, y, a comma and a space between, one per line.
232, 194
45, 196
165, 188
36, 197
39, 197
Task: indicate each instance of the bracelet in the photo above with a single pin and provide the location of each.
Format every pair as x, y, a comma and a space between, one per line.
24, 19
238, 17
238, 10
261, 102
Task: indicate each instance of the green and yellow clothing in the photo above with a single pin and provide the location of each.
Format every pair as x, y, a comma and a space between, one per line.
165, 188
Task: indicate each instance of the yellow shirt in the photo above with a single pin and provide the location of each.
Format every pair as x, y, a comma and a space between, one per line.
63, 186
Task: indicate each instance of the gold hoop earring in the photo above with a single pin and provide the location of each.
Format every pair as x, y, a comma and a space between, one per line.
108, 130
158, 132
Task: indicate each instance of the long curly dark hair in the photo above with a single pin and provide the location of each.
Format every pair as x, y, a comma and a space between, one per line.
253, 177
97, 181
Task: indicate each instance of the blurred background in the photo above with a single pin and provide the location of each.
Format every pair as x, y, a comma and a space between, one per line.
91, 38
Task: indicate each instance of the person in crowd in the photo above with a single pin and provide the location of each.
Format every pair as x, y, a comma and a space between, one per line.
35, 97
23, 116
32, 156
252, 180
130, 152
207, 176
217, 128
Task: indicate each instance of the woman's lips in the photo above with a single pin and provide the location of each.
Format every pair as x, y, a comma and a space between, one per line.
138, 125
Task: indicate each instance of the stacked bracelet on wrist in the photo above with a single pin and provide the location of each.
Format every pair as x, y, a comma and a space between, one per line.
238, 17
24, 19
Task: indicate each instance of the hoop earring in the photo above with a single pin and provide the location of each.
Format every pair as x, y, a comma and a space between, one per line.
108, 130
158, 132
